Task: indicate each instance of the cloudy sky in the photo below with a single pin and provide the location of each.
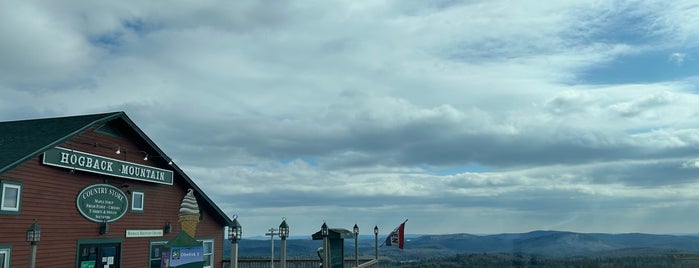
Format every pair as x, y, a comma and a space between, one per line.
461, 116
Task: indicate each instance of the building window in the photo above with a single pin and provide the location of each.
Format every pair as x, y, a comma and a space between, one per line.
10, 197
208, 253
137, 201
4, 256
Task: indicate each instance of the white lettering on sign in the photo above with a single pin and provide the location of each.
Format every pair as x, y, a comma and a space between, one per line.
142, 172
86, 162
76, 160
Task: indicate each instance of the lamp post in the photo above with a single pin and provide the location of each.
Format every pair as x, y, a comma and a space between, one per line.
33, 237
356, 249
283, 234
326, 245
235, 233
376, 241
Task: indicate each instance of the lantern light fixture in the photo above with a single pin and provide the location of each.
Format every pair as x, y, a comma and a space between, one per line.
324, 229
34, 233
283, 229
235, 231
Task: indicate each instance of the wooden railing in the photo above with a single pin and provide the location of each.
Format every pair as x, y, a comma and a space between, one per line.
314, 263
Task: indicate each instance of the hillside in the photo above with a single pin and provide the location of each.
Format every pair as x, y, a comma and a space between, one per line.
539, 243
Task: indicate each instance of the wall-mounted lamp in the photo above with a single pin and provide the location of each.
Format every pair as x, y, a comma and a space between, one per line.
118, 151
168, 228
145, 158
169, 162
125, 186
104, 228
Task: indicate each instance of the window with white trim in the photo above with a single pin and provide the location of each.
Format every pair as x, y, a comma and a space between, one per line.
10, 197
4, 257
137, 201
208, 252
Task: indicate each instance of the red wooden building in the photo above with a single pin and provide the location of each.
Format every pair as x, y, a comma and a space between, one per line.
102, 192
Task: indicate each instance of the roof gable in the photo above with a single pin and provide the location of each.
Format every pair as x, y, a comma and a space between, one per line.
25, 139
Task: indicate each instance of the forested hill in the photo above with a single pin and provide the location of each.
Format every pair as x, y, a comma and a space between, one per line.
556, 243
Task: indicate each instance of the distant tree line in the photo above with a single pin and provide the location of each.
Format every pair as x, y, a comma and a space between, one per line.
493, 260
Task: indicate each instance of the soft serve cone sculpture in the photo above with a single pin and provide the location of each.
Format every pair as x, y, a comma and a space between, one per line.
189, 213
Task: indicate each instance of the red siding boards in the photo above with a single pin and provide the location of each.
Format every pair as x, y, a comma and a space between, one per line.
49, 196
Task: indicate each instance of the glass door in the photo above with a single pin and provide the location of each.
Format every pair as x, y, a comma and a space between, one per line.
99, 255
156, 253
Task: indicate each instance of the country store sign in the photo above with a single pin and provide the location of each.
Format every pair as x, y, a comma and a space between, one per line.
61, 157
102, 203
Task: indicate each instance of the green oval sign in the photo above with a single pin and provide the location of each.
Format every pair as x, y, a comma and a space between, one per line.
102, 203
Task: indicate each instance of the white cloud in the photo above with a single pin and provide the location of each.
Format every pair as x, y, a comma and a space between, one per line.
350, 106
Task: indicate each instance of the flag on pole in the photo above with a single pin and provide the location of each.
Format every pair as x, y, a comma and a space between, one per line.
397, 237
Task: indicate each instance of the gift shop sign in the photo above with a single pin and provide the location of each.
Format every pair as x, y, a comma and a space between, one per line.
102, 203
61, 157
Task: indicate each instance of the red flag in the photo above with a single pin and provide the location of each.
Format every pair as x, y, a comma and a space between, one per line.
397, 237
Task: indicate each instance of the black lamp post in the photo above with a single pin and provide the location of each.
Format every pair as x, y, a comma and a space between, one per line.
376, 241
326, 245
283, 234
33, 237
235, 233
356, 249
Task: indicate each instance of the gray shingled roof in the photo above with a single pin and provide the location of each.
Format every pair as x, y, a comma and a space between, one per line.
25, 139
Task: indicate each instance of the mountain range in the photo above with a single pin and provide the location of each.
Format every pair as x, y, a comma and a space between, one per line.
539, 243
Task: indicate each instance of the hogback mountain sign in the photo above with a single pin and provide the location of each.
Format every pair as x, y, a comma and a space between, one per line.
102, 203
61, 157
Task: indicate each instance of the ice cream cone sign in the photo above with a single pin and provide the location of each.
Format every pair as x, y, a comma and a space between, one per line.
189, 213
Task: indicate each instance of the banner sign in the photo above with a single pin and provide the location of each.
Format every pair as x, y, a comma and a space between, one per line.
183, 257
102, 203
66, 158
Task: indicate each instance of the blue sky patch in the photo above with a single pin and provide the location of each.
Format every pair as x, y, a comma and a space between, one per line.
655, 66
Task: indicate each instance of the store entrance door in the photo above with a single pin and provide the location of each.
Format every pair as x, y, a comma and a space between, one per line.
99, 255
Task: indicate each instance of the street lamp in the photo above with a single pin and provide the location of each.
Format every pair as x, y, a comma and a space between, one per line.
283, 234
235, 233
326, 245
356, 249
33, 237
376, 241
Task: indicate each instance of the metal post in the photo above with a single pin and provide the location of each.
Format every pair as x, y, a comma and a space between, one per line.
271, 239
355, 231
283, 257
32, 256
234, 254
326, 252
356, 253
